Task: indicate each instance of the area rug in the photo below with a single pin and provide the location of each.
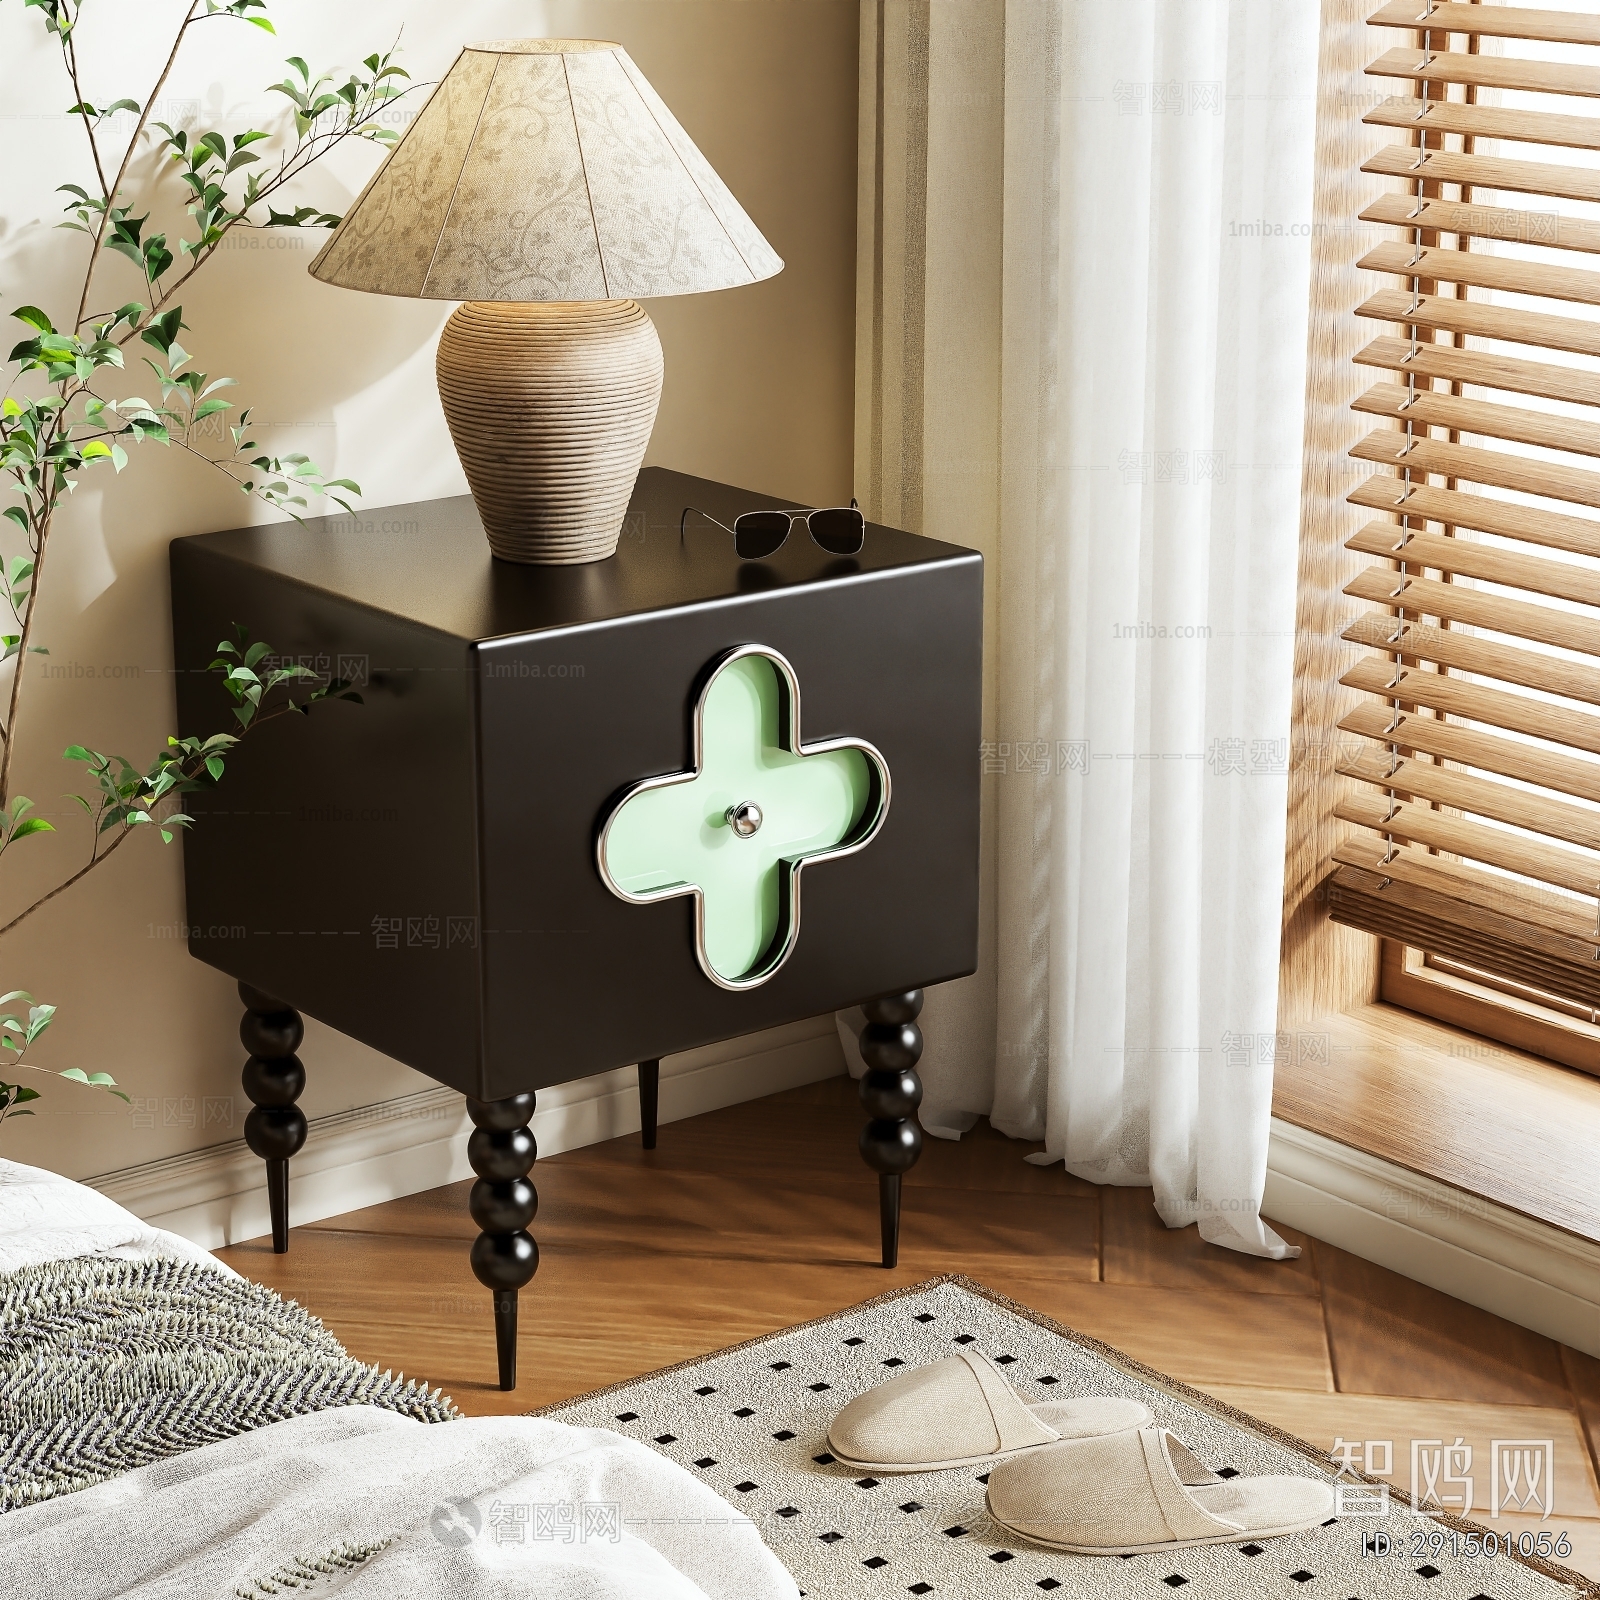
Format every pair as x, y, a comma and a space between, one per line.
107, 1364
752, 1422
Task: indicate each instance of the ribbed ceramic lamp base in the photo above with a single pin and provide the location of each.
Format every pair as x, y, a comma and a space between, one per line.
551, 405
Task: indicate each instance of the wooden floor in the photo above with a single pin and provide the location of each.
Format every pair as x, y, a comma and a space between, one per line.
759, 1216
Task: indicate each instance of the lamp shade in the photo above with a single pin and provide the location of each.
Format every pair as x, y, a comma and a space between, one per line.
545, 169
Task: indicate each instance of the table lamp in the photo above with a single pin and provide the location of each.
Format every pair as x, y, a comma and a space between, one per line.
547, 187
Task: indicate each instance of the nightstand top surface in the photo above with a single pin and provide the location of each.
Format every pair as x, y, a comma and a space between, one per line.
429, 564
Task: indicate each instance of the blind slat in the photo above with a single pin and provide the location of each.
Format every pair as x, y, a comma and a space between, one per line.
1485, 172
1386, 903
1437, 691
1502, 22
1477, 841
1484, 271
1485, 222
1488, 752
1427, 780
1483, 417
1487, 72
1557, 128
1492, 467
1509, 323
1565, 919
1467, 652
1455, 602
1487, 371
1469, 558
1553, 529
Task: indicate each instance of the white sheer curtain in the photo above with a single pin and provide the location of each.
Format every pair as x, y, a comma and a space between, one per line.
1085, 260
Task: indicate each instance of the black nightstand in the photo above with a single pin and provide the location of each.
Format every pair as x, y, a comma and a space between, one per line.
465, 921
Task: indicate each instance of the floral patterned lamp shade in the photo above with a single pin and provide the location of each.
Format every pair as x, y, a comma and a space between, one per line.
547, 186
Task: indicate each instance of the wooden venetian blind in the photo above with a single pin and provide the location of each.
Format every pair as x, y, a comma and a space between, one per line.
1479, 788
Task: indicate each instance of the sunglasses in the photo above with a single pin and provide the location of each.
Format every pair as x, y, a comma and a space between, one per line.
840, 530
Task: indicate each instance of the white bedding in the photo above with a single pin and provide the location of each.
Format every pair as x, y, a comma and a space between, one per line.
483, 1509
45, 1217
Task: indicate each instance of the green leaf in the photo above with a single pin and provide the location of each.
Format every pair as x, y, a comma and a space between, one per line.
32, 825
35, 318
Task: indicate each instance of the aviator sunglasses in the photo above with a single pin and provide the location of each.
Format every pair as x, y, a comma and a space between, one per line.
840, 530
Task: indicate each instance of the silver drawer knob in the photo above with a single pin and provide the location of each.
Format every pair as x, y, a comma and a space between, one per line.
744, 818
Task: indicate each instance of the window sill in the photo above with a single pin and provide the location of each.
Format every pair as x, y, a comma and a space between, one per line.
1512, 1128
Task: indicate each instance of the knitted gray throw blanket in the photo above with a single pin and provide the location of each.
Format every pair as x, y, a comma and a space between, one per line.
106, 1365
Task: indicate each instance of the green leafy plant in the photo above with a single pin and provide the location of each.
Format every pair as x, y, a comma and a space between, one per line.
60, 419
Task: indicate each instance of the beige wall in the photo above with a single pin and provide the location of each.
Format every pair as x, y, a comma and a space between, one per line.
758, 391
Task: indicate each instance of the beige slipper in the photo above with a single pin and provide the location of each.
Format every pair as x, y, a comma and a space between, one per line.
959, 1412
1144, 1491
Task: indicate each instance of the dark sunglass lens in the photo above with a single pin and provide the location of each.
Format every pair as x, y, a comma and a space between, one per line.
760, 533
839, 531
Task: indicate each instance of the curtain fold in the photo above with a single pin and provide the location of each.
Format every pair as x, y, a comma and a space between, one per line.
1082, 313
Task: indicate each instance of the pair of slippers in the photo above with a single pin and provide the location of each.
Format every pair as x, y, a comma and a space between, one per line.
1090, 1476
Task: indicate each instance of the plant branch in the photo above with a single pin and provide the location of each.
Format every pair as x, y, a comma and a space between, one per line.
66, 883
71, 50
41, 535
110, 194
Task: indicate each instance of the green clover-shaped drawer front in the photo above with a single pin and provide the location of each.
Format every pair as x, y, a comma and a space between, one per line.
755, 807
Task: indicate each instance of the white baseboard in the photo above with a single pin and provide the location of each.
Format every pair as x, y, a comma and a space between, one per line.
1528, 1272
375, 1153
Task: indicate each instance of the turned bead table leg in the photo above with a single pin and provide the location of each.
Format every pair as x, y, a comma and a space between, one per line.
273, 1078
503, 1203
649, 1101
891, 1091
